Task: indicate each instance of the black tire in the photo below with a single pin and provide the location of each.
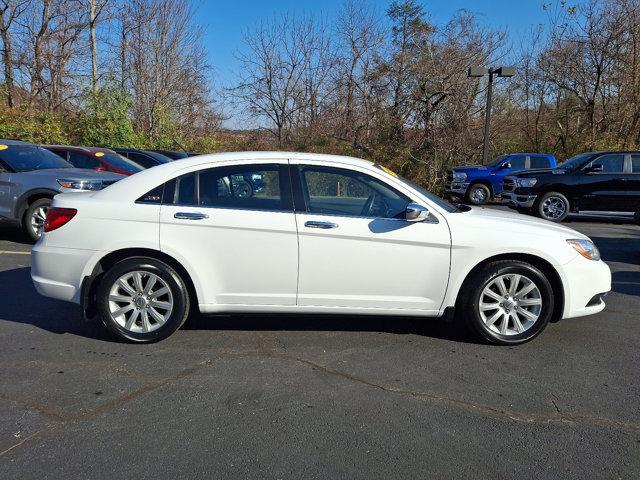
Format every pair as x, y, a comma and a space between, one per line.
175, 283
32, 215
477, 194
468, 307
543, 210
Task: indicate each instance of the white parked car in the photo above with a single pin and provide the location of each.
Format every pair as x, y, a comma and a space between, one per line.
320, 234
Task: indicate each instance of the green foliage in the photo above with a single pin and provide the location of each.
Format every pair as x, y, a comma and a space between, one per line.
38, 127
105, 120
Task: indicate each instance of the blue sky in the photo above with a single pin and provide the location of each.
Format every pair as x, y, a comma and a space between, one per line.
226, 20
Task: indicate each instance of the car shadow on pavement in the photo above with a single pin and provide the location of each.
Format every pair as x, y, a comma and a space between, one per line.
623, 250
13, 234
626, 282
20, 303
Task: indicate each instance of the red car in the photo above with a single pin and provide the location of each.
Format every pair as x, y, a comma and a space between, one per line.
95, 159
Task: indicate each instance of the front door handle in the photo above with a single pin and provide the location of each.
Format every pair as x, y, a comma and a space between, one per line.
323, 225
190, 215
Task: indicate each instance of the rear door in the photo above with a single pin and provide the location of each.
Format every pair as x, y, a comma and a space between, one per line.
539, 161
356, 249
6, 201
606, 190
234, 226
633, 182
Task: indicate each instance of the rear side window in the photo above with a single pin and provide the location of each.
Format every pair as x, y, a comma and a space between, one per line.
635, 163
540, 162
256, 187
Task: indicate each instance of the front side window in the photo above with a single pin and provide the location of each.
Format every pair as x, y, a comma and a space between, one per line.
81, 160
610, 163
338, 191
256, 187
519, 162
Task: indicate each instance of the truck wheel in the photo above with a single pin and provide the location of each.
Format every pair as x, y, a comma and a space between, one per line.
553, 206
478, 194
34, 218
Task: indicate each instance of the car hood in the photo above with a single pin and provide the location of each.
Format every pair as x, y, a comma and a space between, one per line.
537, 172
76, 174
499, 219
469, 168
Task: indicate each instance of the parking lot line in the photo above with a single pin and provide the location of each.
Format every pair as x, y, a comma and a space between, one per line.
14, 252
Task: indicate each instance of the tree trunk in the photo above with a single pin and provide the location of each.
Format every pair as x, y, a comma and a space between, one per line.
94, 45
8, 61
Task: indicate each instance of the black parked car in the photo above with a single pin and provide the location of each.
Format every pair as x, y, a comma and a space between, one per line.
599, 183
144, 158
175, 155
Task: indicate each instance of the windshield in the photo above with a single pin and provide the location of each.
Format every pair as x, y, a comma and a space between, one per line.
575, 162
120, 162
496, 161
24, 158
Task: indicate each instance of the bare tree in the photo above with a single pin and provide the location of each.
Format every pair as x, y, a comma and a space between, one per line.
10, 10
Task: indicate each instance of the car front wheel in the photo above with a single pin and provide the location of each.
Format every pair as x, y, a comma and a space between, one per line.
553, 206
507, 302
142, 300
478, 194
34, 218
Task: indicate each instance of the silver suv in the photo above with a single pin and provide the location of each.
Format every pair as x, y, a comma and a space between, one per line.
30, 176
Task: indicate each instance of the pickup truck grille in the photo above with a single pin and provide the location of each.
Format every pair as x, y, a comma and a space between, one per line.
509, 184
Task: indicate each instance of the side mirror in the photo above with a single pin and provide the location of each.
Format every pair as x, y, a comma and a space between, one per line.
505, 165
597, 168
416, 213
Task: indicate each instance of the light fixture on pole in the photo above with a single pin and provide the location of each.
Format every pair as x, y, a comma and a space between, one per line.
476, 72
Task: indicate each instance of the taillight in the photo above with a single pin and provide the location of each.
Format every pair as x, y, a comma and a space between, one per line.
57, 217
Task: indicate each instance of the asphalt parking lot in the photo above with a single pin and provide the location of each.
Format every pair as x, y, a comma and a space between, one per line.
319, 397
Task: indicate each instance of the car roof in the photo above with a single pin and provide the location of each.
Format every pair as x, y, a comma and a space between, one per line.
150, 178
79, 149
7, 141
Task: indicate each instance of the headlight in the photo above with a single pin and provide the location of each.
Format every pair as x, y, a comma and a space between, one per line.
526, 182
586, 248
81, 184
459, 176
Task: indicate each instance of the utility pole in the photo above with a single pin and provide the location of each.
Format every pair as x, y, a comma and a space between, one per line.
477, 72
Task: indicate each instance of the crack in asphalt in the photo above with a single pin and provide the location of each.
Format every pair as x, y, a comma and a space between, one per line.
556, 418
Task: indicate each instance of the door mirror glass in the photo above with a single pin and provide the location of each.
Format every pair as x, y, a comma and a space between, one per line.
506, 165
416, 213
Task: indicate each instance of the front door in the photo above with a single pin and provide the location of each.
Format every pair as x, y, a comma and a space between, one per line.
356, 250
6, 202
235, 227
605, 190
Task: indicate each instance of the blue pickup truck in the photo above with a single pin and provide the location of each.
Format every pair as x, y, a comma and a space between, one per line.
479, 183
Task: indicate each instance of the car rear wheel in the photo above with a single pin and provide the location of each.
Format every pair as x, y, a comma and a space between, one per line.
507, 302
34, 218
553, 206
142, 300
478, 194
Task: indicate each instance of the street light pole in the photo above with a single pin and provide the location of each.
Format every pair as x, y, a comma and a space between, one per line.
487, 119
477, 72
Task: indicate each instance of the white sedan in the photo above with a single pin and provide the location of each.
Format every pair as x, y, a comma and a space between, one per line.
291, 232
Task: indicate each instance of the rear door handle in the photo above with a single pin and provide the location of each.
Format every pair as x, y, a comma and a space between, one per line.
190, 215
323, 225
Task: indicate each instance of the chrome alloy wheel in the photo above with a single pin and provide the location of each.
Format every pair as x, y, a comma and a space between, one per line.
510, 304
37, 220
479, 195
554, 207
140, 301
